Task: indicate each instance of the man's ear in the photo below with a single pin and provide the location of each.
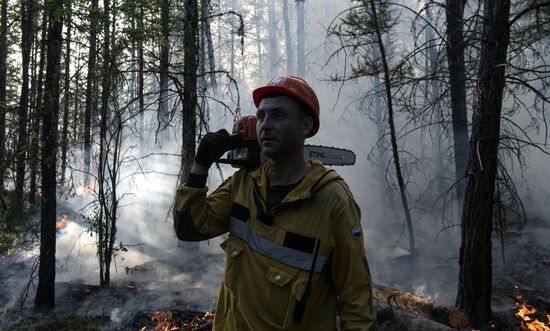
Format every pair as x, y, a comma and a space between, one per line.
307, 125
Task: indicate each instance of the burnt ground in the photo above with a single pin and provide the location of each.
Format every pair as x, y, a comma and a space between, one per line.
187, 289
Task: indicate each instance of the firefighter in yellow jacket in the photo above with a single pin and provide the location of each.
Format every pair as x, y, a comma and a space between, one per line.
295, 258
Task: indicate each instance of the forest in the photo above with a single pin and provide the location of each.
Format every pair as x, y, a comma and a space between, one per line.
103, 103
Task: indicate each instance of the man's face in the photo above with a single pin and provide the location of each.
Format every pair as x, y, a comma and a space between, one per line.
281, 127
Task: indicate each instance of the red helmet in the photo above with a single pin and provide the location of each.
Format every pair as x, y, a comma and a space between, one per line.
296, 87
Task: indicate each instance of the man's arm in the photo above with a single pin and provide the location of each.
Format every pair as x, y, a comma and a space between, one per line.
197, 217
350, 272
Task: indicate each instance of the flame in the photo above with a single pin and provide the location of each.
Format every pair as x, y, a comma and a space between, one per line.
83, 190
62, 223
197, 319
531, 323
165, 323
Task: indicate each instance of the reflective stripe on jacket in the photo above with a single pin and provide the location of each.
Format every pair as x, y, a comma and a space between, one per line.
268, 265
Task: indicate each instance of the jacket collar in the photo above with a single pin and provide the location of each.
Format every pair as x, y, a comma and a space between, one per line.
316, 177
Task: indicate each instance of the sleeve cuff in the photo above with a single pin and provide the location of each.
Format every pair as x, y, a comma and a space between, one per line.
196, 181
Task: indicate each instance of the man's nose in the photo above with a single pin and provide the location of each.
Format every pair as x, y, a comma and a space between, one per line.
266, 123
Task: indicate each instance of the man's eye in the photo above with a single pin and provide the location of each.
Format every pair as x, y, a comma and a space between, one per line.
260, 115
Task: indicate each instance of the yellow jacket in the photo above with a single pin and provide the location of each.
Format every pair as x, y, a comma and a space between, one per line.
268, 266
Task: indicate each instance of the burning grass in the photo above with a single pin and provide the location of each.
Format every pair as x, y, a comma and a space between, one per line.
529, 318
171, 320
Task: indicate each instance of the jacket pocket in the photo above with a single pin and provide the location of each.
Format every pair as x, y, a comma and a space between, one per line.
233, 248
278, 299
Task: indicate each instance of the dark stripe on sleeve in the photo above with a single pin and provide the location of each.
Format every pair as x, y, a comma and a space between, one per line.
185, 228
196, 181
240, 212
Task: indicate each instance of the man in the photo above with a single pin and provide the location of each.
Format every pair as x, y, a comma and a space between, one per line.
295, 255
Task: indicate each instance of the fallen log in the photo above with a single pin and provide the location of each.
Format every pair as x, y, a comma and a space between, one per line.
403, 300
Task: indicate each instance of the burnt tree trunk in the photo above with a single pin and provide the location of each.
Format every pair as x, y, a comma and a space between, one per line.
475, 276
164, 111
104, 221
457, 81
15, 214
190, 87
3, 74
45, 293
450, 316
141, 60
35, 120
393, 138
66, 95
90, 103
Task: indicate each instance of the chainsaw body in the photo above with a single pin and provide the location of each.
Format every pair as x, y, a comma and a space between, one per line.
248, 154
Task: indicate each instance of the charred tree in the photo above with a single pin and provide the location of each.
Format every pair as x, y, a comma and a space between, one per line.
15, 213
141, 60
457, 80
393, 138
301, 41
35, 120
45, 292
164, 108
3, 74
103, 222
90, 103
66, 94
450, 316
475, 276
190, 87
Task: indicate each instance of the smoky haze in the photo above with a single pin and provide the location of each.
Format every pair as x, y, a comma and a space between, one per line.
169, 273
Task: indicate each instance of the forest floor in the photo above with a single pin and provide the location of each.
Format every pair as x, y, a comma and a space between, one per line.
186, 288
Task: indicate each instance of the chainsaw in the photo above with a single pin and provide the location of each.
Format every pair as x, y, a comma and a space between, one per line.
247, 154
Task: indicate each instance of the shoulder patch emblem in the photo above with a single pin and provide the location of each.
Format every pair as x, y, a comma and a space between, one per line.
356, 232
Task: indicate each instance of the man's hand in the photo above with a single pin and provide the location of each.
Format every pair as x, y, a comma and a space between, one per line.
212, 146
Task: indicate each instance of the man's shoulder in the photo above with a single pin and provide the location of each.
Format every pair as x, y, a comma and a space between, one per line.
335, 188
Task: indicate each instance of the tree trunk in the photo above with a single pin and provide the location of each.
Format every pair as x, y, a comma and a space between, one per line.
3, 74
450, 316
190, 87
140, 79
274, 57
457, 81
257, 17
15, 214
66, 95
475, 276
382, 159
35, 122
103, 222
301, 49
395, 151
91, 104
45, 292
210, 52
164, 104
432, 95
288, 40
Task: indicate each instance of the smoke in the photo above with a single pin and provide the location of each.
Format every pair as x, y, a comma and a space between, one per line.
158, 272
